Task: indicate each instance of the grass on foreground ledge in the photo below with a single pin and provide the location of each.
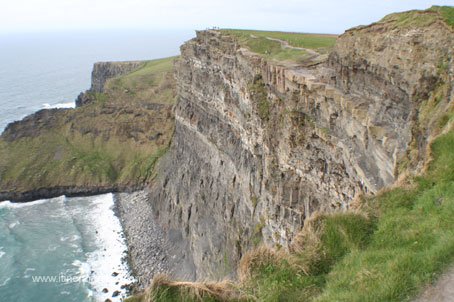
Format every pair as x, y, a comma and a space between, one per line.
398, 242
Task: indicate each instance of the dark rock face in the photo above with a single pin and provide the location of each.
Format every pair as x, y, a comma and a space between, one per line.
33, 124
84, 98
259, 146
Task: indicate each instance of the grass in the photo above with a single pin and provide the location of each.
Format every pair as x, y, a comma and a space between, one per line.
269, 275
310, 41
151, 81
260, 42
259, 96
446, 12
114, 141
422, 18
413, 242
163, 289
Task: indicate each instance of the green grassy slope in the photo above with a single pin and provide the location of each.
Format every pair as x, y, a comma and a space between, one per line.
113, 141
413, 240
422, 17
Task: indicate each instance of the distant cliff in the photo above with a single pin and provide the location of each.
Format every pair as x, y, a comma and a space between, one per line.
102, 72
110, 142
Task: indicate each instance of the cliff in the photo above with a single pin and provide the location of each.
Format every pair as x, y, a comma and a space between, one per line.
261, 145
110, 142
327, 168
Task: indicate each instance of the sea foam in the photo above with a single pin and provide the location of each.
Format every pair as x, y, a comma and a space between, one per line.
59, 105
106, 265
13, 205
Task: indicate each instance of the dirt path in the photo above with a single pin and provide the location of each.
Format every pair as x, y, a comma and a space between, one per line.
441, 291
285, 44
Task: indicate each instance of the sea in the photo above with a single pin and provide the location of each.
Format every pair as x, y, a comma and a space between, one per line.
65, 249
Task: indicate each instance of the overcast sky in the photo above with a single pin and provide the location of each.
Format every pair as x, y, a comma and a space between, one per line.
322, 16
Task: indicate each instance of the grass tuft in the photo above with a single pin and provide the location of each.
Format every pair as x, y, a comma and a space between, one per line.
165, 290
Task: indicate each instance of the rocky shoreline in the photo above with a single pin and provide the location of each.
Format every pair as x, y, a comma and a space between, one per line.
146, 253
151, 250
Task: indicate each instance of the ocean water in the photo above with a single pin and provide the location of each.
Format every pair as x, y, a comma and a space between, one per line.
42, 70
64, 249
61, 249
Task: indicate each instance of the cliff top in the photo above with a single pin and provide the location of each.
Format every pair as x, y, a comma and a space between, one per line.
426, 17
417, 18
299, 48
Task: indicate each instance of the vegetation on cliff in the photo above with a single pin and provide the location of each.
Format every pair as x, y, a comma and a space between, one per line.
113, 141
443, 14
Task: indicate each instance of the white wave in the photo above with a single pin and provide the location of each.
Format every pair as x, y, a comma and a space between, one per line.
107, 259
4, 282
2, 253
13, 224
84, 269
99, 266
15, 205
59, 105
74, 238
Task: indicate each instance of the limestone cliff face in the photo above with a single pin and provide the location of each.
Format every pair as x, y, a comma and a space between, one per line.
259, 145
395, 70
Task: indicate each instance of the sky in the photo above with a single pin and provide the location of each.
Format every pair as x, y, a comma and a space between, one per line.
318, 16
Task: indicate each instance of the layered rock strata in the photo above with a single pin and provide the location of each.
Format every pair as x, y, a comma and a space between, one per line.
259, 145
